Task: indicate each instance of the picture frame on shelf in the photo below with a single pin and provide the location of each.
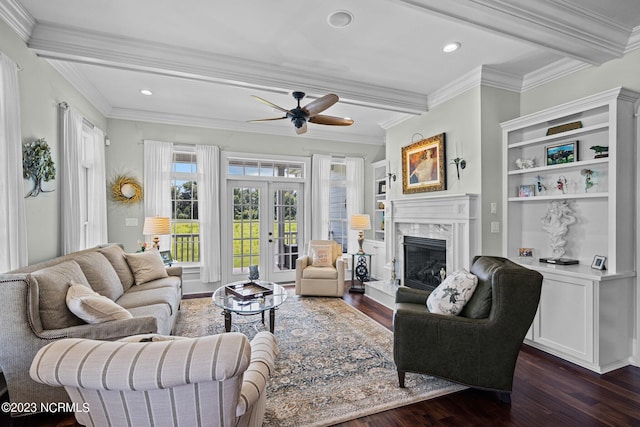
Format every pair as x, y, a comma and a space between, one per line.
525, 252
599, 262
560, 154
166, 257
382, 187
527, 190
423, 165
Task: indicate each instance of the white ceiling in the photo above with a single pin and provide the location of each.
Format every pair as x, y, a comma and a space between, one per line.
203, 60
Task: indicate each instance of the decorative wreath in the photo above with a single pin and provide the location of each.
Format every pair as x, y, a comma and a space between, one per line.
126, 189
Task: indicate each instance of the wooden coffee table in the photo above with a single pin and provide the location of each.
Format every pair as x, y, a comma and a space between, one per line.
246, 307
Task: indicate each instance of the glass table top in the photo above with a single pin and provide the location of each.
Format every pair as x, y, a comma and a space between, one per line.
227, 301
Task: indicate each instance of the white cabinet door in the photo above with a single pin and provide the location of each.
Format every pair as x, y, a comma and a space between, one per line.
564, 321
377, 251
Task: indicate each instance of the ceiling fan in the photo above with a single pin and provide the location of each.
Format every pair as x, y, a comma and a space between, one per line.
299, 116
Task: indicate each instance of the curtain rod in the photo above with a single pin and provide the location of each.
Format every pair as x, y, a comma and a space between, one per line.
64, 105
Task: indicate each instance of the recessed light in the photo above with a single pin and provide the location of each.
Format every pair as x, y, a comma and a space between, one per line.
340, 19
451, 47
146, 92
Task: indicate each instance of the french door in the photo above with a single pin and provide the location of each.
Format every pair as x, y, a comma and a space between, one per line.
267, 223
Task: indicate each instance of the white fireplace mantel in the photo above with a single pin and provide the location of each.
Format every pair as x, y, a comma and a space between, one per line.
451, 217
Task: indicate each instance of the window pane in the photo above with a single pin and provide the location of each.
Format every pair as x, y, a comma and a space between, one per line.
185, 239
338, 205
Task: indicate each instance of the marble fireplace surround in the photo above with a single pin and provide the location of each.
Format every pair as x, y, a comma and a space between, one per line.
452, 218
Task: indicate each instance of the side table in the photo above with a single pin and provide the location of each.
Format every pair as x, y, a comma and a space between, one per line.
360, 263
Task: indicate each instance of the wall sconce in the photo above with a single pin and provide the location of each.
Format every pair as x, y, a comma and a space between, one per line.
459, 162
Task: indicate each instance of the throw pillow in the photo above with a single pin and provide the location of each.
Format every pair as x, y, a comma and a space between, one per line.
146, 266
52, 284
116, 256
92, 307
101, 275
453, 293
321, 255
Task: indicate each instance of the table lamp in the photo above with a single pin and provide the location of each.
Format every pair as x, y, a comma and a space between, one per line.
360, 222
156, 225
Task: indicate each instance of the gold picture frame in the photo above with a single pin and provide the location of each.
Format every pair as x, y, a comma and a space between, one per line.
423, 165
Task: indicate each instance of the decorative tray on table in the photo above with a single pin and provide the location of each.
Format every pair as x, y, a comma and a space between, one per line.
246, 291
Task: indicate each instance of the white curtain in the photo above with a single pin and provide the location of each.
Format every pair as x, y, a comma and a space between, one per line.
157, 183
355, 196
13, 227
96, 189
208, 167
73, 184
320, 196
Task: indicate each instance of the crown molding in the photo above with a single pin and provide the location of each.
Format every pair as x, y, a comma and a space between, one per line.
634, 40
67, 43
82, 85
18, 18
395, 120
230, 125
551, 72
561, 26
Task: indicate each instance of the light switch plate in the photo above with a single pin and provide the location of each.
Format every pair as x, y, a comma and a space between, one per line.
495, 227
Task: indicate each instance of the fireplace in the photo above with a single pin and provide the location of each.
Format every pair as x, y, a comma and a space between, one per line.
425, 262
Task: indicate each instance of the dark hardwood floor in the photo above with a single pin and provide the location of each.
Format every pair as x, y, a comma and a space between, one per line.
547, 392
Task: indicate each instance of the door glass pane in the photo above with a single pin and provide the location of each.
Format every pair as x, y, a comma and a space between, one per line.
285, 229
246, 229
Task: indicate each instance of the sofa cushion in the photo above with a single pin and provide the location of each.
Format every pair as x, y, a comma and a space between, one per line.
101, 275
92, 307
146, 266
450, 296
162, 295
162, 314
321, 255
479, 307
166, 282
320, 273
115, 255
53, 283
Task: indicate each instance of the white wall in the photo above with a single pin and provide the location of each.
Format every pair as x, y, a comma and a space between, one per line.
125, 154
41, 90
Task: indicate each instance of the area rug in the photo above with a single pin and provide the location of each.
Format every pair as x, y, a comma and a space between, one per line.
335, 363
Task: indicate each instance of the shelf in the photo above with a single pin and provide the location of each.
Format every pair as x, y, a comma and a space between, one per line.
560, 197
559, 136
578, 164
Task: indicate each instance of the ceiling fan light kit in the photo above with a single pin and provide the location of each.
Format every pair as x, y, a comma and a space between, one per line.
299, 116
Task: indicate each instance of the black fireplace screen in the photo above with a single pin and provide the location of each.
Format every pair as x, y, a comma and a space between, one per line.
425, 262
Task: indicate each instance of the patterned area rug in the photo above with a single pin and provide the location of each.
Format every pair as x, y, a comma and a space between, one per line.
335, 363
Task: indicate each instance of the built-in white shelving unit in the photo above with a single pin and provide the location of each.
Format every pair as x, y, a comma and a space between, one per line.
585, 315
379, 198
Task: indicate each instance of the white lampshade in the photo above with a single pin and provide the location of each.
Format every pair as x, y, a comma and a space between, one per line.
156, 225
360, 222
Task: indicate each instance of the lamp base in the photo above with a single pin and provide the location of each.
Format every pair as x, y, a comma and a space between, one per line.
360, 240
156, 242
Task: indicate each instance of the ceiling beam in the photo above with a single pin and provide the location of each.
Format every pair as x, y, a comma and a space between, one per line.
558, 25
72, 44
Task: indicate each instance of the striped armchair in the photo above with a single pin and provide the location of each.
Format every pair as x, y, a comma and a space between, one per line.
216, 380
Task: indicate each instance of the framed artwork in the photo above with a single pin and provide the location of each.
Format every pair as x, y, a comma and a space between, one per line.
567, 152
527, 191
598, 262
382, 187
423, 165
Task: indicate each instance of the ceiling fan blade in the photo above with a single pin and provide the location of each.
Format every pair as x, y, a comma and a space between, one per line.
302, 129
271, 104
331, 120
319, 105
267, 120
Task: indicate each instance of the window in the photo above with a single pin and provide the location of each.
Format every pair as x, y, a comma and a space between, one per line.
246, 167
185, 228
338, 205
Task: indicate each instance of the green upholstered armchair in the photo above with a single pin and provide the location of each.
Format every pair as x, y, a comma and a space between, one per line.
478, 348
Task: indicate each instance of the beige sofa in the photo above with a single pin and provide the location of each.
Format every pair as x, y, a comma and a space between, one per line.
34, 312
